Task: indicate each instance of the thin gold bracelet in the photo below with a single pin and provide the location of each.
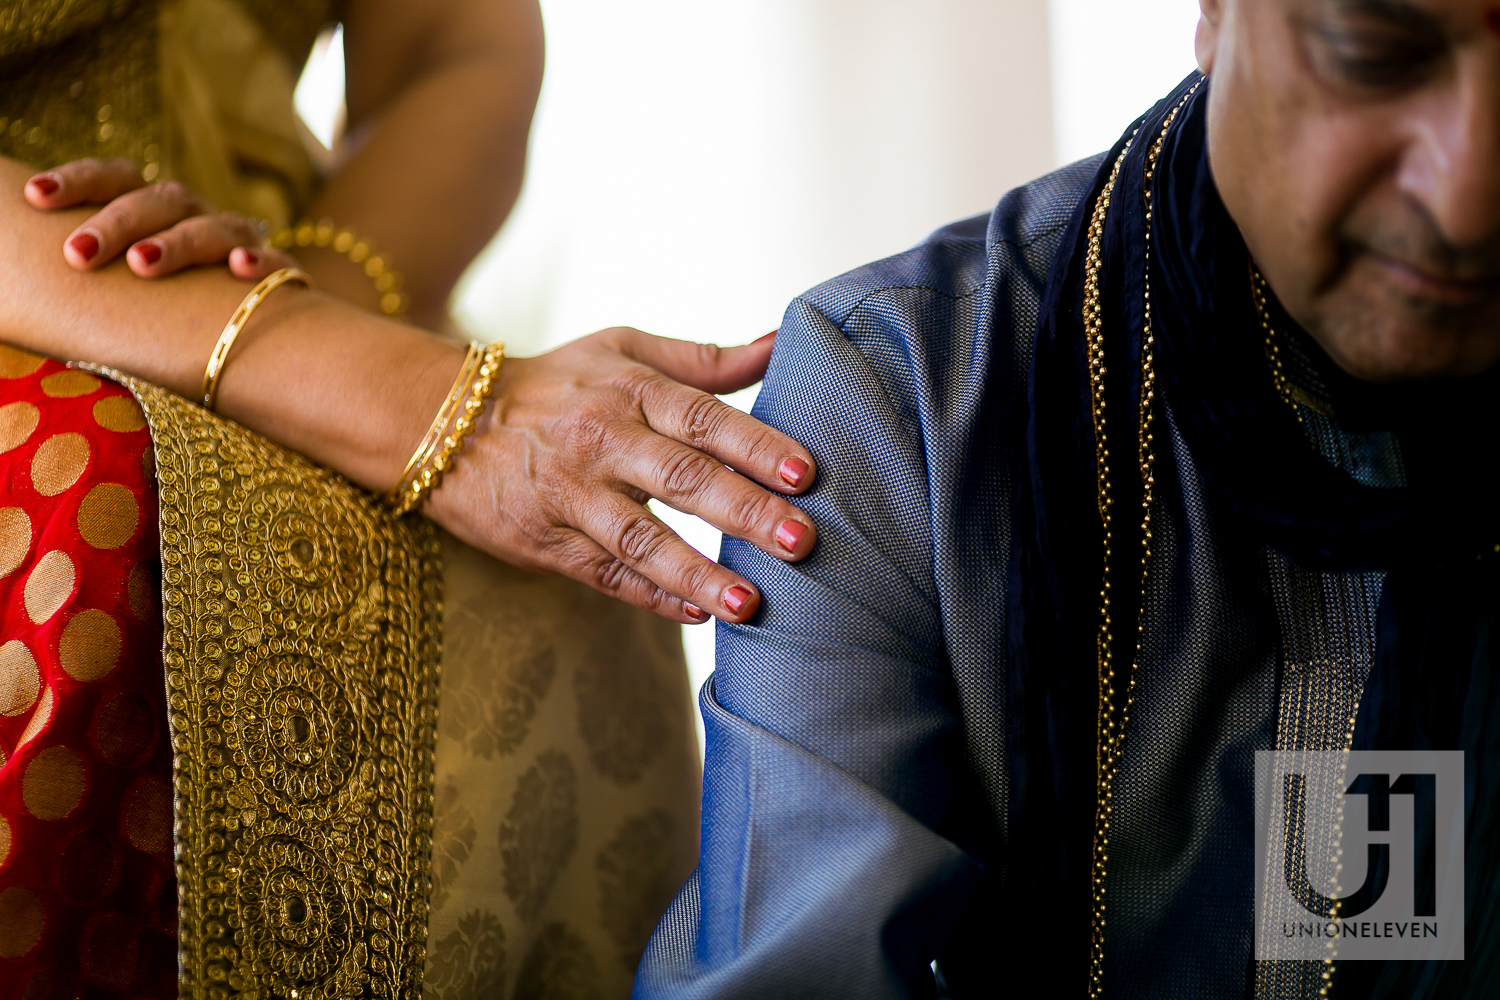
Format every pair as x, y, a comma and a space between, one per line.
424, 473
434, 436
220, 354
377, 266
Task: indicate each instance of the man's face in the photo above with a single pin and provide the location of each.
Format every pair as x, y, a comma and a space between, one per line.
1357, 145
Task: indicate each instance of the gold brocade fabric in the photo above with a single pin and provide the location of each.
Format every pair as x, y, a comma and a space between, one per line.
301, 646
567, 786
196, 90
564, 760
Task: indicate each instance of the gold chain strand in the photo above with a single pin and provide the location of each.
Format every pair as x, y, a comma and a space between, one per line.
1273, 349
433, 438
377, 266
1111, 737
428, 474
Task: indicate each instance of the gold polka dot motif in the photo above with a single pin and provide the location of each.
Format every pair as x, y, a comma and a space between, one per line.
15, 539
120, 414
17, 421
140, 589
68, 384
16, 363
39, 719
88, 867
111, 951
21, 920
58, 463
49, 586
148, 815
20, 680
54, 784
90, 646
126, 730
108, 516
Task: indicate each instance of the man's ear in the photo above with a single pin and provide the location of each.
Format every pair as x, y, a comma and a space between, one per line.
1206, 42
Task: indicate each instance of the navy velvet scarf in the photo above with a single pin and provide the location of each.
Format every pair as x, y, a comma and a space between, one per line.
1436, 538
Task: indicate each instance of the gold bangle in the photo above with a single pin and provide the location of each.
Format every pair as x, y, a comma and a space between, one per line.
377, 266
427, 475
434, 435
237, 323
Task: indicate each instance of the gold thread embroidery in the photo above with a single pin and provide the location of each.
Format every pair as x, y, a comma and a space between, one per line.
302, 630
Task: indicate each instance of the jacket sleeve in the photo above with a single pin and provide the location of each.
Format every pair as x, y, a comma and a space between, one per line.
832, 724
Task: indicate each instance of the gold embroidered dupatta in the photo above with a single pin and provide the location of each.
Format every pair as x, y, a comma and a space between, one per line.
304, 632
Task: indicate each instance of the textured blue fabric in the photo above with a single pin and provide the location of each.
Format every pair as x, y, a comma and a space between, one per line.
898, 794
860, 779
856, 729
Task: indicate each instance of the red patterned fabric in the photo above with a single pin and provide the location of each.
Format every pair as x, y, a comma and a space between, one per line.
87, 892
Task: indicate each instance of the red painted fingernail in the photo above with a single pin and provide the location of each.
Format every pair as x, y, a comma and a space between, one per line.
735, 599
85, 245
149, 252
251, 257
769, 336
792, 471
790, 534
45, 184
693, 611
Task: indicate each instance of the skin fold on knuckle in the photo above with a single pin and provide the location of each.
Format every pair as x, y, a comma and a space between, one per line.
86, 175
610, 576
175, 196
710, 356
634, 384
759, 513
684, 475
639, 538
236, 229
764, 448
702, 578
701, 421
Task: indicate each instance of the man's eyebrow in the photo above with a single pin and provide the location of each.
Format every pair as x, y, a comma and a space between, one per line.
1397, 13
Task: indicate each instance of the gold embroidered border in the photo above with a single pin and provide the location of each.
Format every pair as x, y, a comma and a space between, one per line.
302, 646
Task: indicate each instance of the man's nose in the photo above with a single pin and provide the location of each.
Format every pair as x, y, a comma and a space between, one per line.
1453, 170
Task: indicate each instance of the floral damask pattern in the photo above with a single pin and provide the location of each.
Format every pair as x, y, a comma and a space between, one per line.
492, 710
623, 712
453, 834
558, 967
540, 832
524, 814
470, 962
636, 882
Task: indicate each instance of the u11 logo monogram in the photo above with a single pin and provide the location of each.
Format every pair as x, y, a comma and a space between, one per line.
1360, 855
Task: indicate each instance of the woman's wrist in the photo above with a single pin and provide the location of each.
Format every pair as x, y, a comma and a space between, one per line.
345, 388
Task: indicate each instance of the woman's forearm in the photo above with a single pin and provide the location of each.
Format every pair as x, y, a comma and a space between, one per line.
441, 95
344, 387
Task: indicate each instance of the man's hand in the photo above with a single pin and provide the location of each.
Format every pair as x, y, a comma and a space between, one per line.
576, 441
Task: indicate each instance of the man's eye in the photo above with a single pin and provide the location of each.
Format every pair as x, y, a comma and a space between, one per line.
1370, 62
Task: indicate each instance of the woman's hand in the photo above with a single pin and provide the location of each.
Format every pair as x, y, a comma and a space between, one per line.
556, 476
161, 228
559, 470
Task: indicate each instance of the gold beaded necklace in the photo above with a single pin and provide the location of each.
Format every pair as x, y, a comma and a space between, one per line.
1258, 288
1113, 718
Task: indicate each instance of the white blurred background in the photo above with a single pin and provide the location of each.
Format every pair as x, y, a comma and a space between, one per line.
694, 165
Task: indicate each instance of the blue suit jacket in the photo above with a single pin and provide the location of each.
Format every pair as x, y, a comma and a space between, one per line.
855, 792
